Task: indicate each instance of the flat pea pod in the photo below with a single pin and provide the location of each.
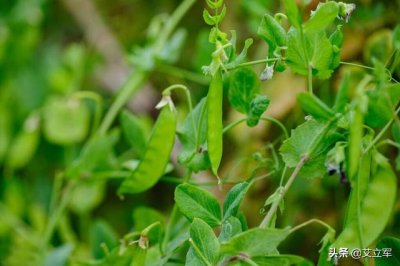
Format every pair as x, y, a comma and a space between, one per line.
375, 210
214, 121
156, 157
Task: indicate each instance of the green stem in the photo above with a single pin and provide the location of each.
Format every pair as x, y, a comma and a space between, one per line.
184, 74
167, 92
172, 23
310, 81
274, 207
356, 65
57, 213
308, 223
264, 118
131, 86
173, 217
255, 62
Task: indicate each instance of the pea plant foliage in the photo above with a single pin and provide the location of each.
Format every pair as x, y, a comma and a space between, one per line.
344, 137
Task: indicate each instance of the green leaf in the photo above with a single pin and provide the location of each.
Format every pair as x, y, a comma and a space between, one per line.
194, 153
314, 51
66, 121
210, 20
134, 132
205, 240
272, 32
192, 259
59, 256
145, 216
5, 131
244, 86
293, 13
310, 139
255, 242
336, 40
392, 244
257, 108
234, 198
314, 106
236, 60
322, 17
230, 227
101, 233
195, 202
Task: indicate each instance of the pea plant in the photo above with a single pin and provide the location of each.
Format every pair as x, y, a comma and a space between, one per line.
347, 137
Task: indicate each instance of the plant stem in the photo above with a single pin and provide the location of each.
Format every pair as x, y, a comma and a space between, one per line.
183, 74
168, 91
264, 118
274, 207
172, 23
57, 213
255, 62
131, 86
310, 81
356, 65
310, 222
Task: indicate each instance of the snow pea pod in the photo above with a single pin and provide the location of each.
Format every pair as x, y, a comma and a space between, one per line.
214, 121
156, 156
375, 210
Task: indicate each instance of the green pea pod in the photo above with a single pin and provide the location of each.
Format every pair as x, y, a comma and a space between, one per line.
314, 106
214, 122
156, 157
375, 210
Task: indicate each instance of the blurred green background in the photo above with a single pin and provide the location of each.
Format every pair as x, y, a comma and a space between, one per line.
51, 51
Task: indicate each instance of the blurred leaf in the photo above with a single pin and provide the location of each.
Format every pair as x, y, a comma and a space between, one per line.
293, 13
87, 196
195, 202
66, 121
205, 240
5, 132
322, 17
396, 38
267, 242
244, 86
59, 256
24, 145
134, 132
234, 198
392, 245
145, 216
94, 155
378, 46
314, 106
342, 97
171, 51
101, 233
